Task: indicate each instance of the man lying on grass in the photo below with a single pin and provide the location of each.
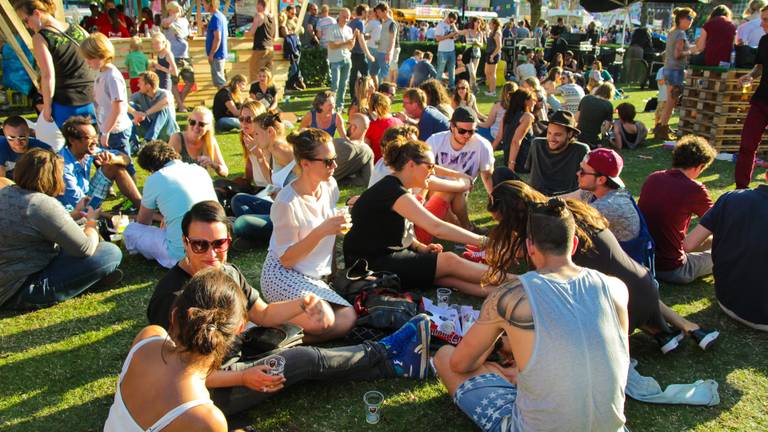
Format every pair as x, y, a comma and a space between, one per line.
240, 385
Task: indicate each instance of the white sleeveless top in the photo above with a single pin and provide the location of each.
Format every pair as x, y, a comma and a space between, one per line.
120, 420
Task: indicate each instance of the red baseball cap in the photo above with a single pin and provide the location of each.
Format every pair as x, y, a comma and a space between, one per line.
608, 163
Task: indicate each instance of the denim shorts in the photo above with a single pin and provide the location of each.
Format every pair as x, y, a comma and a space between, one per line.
674, 77
488, 400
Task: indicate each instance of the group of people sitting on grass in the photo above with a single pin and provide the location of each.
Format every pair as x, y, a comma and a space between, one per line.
592, 255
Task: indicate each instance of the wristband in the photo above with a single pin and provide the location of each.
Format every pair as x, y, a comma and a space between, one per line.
93, 223
483, 242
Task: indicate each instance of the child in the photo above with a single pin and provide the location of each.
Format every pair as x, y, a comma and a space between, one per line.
165, 67
137, 62
109, 94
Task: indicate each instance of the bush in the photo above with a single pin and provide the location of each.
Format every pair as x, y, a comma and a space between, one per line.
314, 63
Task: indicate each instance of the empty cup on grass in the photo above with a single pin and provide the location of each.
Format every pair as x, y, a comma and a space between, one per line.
373, 400
275, 363
443, 297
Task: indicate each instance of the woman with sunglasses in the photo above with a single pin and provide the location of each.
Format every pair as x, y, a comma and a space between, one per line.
323, 115
463, 96
227, 103
45, 257
382, 227
271, 162
263, 90
198, 145
509, 204
162, 385
305, 228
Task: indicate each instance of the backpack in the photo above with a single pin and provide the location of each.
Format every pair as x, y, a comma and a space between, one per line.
641, 248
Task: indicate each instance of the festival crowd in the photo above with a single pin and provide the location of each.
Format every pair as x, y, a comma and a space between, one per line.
591, 256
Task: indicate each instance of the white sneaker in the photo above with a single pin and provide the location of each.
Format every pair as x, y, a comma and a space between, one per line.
490, 93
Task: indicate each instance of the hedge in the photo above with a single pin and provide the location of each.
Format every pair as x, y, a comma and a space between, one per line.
314, 65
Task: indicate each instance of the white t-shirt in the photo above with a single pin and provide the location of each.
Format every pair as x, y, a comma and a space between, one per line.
445, 45
662, 97
172, 191
572, 95
373, 28
474, 157
110, 86
294, 217
750, 32
525, 70
338, 34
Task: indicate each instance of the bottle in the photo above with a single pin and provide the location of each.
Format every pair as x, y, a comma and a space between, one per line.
733, 58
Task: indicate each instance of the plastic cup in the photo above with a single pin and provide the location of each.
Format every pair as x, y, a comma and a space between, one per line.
443, 297
344, 211
116, 239
275, 363
373, 400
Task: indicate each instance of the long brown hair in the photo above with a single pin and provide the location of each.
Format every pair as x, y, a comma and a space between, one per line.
510, 202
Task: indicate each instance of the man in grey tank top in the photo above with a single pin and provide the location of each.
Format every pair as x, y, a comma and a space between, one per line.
566, 342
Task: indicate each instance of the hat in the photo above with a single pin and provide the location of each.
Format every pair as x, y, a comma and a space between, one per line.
563, 118
608, 163
463, 115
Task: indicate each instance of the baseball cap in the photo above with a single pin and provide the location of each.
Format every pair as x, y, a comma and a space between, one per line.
463, 115
608, 163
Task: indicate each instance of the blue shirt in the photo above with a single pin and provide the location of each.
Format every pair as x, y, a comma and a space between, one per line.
357, 24
218, 22
77, 177
8, 157
431, 122
404, 73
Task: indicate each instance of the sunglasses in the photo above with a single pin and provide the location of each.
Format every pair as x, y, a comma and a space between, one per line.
16, 138
193, 123
463, 88
463, 131
328, 161
201, 246
247, 119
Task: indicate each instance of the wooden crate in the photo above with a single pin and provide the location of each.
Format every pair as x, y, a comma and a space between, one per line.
714, 106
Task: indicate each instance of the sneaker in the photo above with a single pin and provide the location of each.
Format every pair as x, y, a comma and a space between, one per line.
408, 348
669, 341
109, 281
492, 94
474, 256
704, 338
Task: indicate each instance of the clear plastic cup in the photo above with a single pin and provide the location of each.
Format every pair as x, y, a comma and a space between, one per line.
275, 363
344, 211
373, 400
443, 297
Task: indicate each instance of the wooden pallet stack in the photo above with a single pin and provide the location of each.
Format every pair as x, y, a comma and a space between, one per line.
714, 106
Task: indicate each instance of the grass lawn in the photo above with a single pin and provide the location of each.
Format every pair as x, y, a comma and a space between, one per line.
58, 366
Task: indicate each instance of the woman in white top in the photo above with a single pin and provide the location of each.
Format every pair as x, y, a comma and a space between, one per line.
304, 234
475, 36
162, 383
272, 165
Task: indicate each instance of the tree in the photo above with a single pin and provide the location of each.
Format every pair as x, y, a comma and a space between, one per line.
535, 12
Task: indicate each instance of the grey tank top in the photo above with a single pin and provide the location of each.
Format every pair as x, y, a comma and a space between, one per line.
575, 378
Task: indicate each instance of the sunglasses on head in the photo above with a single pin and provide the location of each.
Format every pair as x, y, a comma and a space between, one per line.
193, 123
463, 131
327, 161
200, 246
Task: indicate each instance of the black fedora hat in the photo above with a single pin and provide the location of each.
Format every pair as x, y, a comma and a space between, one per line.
563, 118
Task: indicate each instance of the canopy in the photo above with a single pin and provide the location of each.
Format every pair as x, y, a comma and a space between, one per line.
609, 5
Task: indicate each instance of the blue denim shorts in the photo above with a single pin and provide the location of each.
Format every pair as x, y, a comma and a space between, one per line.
488, 400
674, 77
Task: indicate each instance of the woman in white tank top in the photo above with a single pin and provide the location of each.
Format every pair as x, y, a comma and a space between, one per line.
162, 383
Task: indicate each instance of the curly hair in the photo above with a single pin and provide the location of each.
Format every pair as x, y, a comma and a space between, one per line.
692, 151
510, 203
436, 92
155, 154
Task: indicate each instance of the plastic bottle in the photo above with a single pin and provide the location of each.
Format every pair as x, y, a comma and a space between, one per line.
733, 58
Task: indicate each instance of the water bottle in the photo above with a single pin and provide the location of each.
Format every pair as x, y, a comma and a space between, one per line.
733, 58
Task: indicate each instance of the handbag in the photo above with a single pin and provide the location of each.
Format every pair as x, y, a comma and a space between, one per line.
259, 342
353, 280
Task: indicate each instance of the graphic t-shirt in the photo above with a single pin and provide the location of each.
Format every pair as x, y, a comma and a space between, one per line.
474, 157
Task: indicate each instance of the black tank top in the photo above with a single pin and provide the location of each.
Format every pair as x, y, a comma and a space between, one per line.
490, 44
264, 36
74, 79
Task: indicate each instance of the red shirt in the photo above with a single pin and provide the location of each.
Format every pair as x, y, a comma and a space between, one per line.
376, 131
720, 36
668, 200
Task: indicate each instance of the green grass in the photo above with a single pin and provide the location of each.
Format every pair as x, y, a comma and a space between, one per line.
58, 366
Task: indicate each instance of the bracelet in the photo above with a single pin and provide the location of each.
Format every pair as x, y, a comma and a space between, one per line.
93, 223
483, 242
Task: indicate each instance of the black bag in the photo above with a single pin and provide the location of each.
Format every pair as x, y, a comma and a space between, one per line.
358, 278
385, 309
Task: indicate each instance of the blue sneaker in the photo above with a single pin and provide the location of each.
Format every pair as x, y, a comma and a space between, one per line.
408, 348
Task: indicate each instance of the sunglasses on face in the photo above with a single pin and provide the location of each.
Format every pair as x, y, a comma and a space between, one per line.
247, 119
201, 124
200, 246
463, 131
328, 161
16, 138
463, 88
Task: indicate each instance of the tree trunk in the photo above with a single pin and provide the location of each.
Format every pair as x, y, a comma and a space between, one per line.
535, 12
644, 15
